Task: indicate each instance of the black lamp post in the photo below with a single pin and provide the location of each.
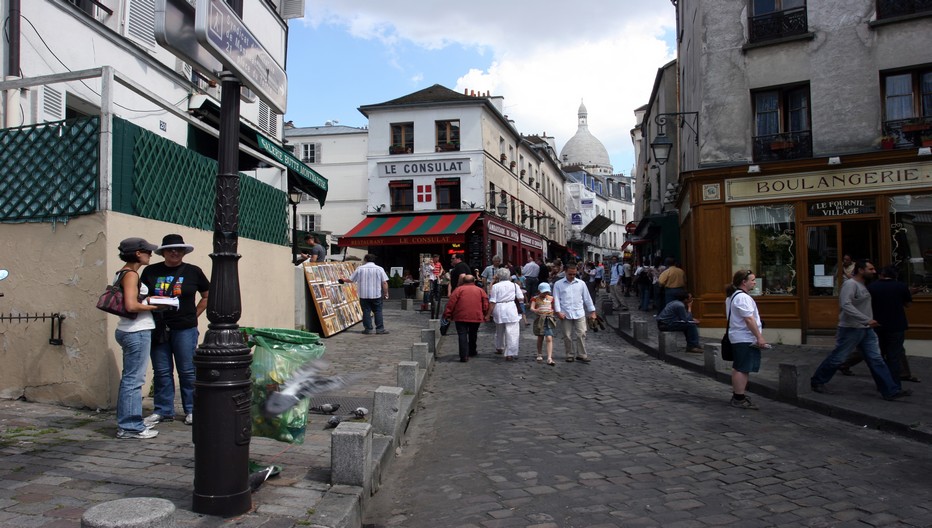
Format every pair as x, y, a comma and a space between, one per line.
223, 428
661, 146
294, 198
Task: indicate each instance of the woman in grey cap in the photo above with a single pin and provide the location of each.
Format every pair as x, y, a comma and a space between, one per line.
134, 336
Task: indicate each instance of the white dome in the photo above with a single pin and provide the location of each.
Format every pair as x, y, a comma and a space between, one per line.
583, 148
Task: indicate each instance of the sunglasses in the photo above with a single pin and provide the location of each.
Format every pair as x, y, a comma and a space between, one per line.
747, 273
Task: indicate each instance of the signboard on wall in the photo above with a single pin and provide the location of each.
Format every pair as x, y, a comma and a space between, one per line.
851, 206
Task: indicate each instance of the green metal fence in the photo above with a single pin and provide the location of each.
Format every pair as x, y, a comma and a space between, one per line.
159, 179
49, 172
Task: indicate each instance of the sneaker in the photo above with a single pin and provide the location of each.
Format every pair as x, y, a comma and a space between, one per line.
367, 332
383, 332
897, 396
583, 360
156, 418
744, 404
821, 389
145, 434
189, 419
695, 350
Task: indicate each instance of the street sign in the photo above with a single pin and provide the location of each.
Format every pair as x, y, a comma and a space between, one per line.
174, 31
631, 227
224, 35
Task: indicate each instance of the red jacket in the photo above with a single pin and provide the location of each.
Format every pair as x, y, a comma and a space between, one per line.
467, 304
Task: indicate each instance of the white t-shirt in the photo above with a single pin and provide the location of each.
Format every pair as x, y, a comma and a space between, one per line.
143, 320
503, 294
741, 305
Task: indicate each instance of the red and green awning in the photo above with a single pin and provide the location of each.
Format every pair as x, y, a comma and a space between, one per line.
410, 229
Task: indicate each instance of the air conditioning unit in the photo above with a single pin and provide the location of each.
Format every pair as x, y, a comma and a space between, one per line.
184, 69
51, 104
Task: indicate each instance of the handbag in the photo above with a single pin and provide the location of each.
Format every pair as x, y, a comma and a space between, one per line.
444, 326
519, 300
728, 353
111, 300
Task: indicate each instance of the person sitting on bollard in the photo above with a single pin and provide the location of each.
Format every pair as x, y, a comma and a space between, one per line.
677, 317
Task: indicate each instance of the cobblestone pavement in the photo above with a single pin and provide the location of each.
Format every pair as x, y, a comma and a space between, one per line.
56, 462
631, 441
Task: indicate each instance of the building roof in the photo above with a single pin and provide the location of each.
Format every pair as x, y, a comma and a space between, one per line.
431, 95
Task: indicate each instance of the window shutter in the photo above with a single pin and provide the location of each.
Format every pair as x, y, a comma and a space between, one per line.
317, 152
141, 22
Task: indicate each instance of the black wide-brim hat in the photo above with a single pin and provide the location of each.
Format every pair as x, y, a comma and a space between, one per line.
174, 241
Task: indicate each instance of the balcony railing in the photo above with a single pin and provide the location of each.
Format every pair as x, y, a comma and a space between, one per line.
779, 24
908, 133
895, 8
785, 146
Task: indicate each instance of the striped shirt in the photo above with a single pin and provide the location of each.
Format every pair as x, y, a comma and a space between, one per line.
369, 279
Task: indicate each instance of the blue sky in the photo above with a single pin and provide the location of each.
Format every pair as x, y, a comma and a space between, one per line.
544, 61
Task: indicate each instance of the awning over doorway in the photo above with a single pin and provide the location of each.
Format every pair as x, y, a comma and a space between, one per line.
597, 225
300, 176
437, 228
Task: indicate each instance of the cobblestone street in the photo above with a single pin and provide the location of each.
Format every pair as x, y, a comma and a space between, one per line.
630, 441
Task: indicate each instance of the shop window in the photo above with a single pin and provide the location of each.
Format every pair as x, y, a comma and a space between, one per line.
775, 19
902, 8
402, 193
402, 138
907, 100
763, 241
782, 124
911, 232
448, 193
448, 135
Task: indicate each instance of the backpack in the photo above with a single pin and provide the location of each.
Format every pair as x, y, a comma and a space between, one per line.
644, 277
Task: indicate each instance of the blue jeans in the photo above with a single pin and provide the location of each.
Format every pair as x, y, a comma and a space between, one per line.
846, 339
374, 306
135, 362
690, 330
645, 296
177, 352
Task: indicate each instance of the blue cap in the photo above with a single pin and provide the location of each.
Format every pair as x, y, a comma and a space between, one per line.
543, 287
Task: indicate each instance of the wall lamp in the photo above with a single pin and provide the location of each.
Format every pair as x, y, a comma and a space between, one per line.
502, 207
375, 209
661, 146
552, 228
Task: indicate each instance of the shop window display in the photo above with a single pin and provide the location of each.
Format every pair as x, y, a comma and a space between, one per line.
763, 240
911, 232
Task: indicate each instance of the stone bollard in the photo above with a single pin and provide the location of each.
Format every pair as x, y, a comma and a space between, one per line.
407, 376
386, 404
788, 386
713, 357
624, 322
428, 336
640, 331
351, 454
607, 308
421, 353
139, 512
407, 304
666, 343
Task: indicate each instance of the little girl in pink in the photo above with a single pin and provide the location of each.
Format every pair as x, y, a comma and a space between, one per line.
542, 305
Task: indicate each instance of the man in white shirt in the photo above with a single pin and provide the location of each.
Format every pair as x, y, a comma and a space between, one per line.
488, 274
571, 302
372, 282
531, 271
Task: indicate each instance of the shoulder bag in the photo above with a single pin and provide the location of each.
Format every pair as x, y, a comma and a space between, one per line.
111, 300
519, 300
728, 354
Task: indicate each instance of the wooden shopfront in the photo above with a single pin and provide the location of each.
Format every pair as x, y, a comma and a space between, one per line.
792, 225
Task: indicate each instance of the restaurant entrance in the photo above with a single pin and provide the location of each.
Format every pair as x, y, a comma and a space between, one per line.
823, 272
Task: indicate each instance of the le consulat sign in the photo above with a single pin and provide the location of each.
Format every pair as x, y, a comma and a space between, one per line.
883, 178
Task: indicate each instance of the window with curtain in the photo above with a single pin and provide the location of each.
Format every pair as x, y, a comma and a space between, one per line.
763, 240
782, 123
402, 138
448, 135
402, 194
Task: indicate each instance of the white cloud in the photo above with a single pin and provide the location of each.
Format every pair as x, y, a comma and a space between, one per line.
546, 55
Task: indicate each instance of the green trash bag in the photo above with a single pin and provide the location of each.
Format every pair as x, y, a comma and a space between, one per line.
278, 353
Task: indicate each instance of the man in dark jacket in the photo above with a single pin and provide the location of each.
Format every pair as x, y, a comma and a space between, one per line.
677, 316
467, 307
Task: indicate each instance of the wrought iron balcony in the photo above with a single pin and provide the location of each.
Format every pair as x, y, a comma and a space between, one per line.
779, 24
785, 146
907, 133
895, 8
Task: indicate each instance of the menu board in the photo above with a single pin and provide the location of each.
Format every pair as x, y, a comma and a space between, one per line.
337, 304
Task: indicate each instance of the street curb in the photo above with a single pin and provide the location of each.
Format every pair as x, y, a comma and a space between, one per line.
766, 390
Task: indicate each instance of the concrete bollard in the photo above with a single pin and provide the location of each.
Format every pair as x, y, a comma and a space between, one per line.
421, 353
351, 454
713, 357
407, 376
407, 304
138, 512
624, 322
607, 308
427, 336
788, 386
666, 343
386, 404
640, 331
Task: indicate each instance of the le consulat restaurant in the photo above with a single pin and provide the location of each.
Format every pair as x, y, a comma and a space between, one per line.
792, 223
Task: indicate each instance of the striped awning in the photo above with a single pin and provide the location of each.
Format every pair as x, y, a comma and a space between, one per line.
437, 228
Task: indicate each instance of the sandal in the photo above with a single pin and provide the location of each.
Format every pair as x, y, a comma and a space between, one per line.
551, 362
540, 358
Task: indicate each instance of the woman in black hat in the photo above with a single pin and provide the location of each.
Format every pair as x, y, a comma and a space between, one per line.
176, 333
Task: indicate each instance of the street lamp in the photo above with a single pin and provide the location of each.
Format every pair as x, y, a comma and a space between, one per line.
502, 207
294, 198
661, 146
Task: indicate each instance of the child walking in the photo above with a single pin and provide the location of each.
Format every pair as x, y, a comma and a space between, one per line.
542, 305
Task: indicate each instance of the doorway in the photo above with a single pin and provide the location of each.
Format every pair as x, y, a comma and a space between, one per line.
826, 245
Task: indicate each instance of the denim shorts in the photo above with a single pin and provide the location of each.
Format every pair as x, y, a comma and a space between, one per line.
747, 358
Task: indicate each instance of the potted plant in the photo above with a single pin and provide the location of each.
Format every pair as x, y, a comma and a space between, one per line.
396, 149
504, 157
523, 172
887, 142
513, 164
447, 147
782, 145
926, 140
396, 287
916, 126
